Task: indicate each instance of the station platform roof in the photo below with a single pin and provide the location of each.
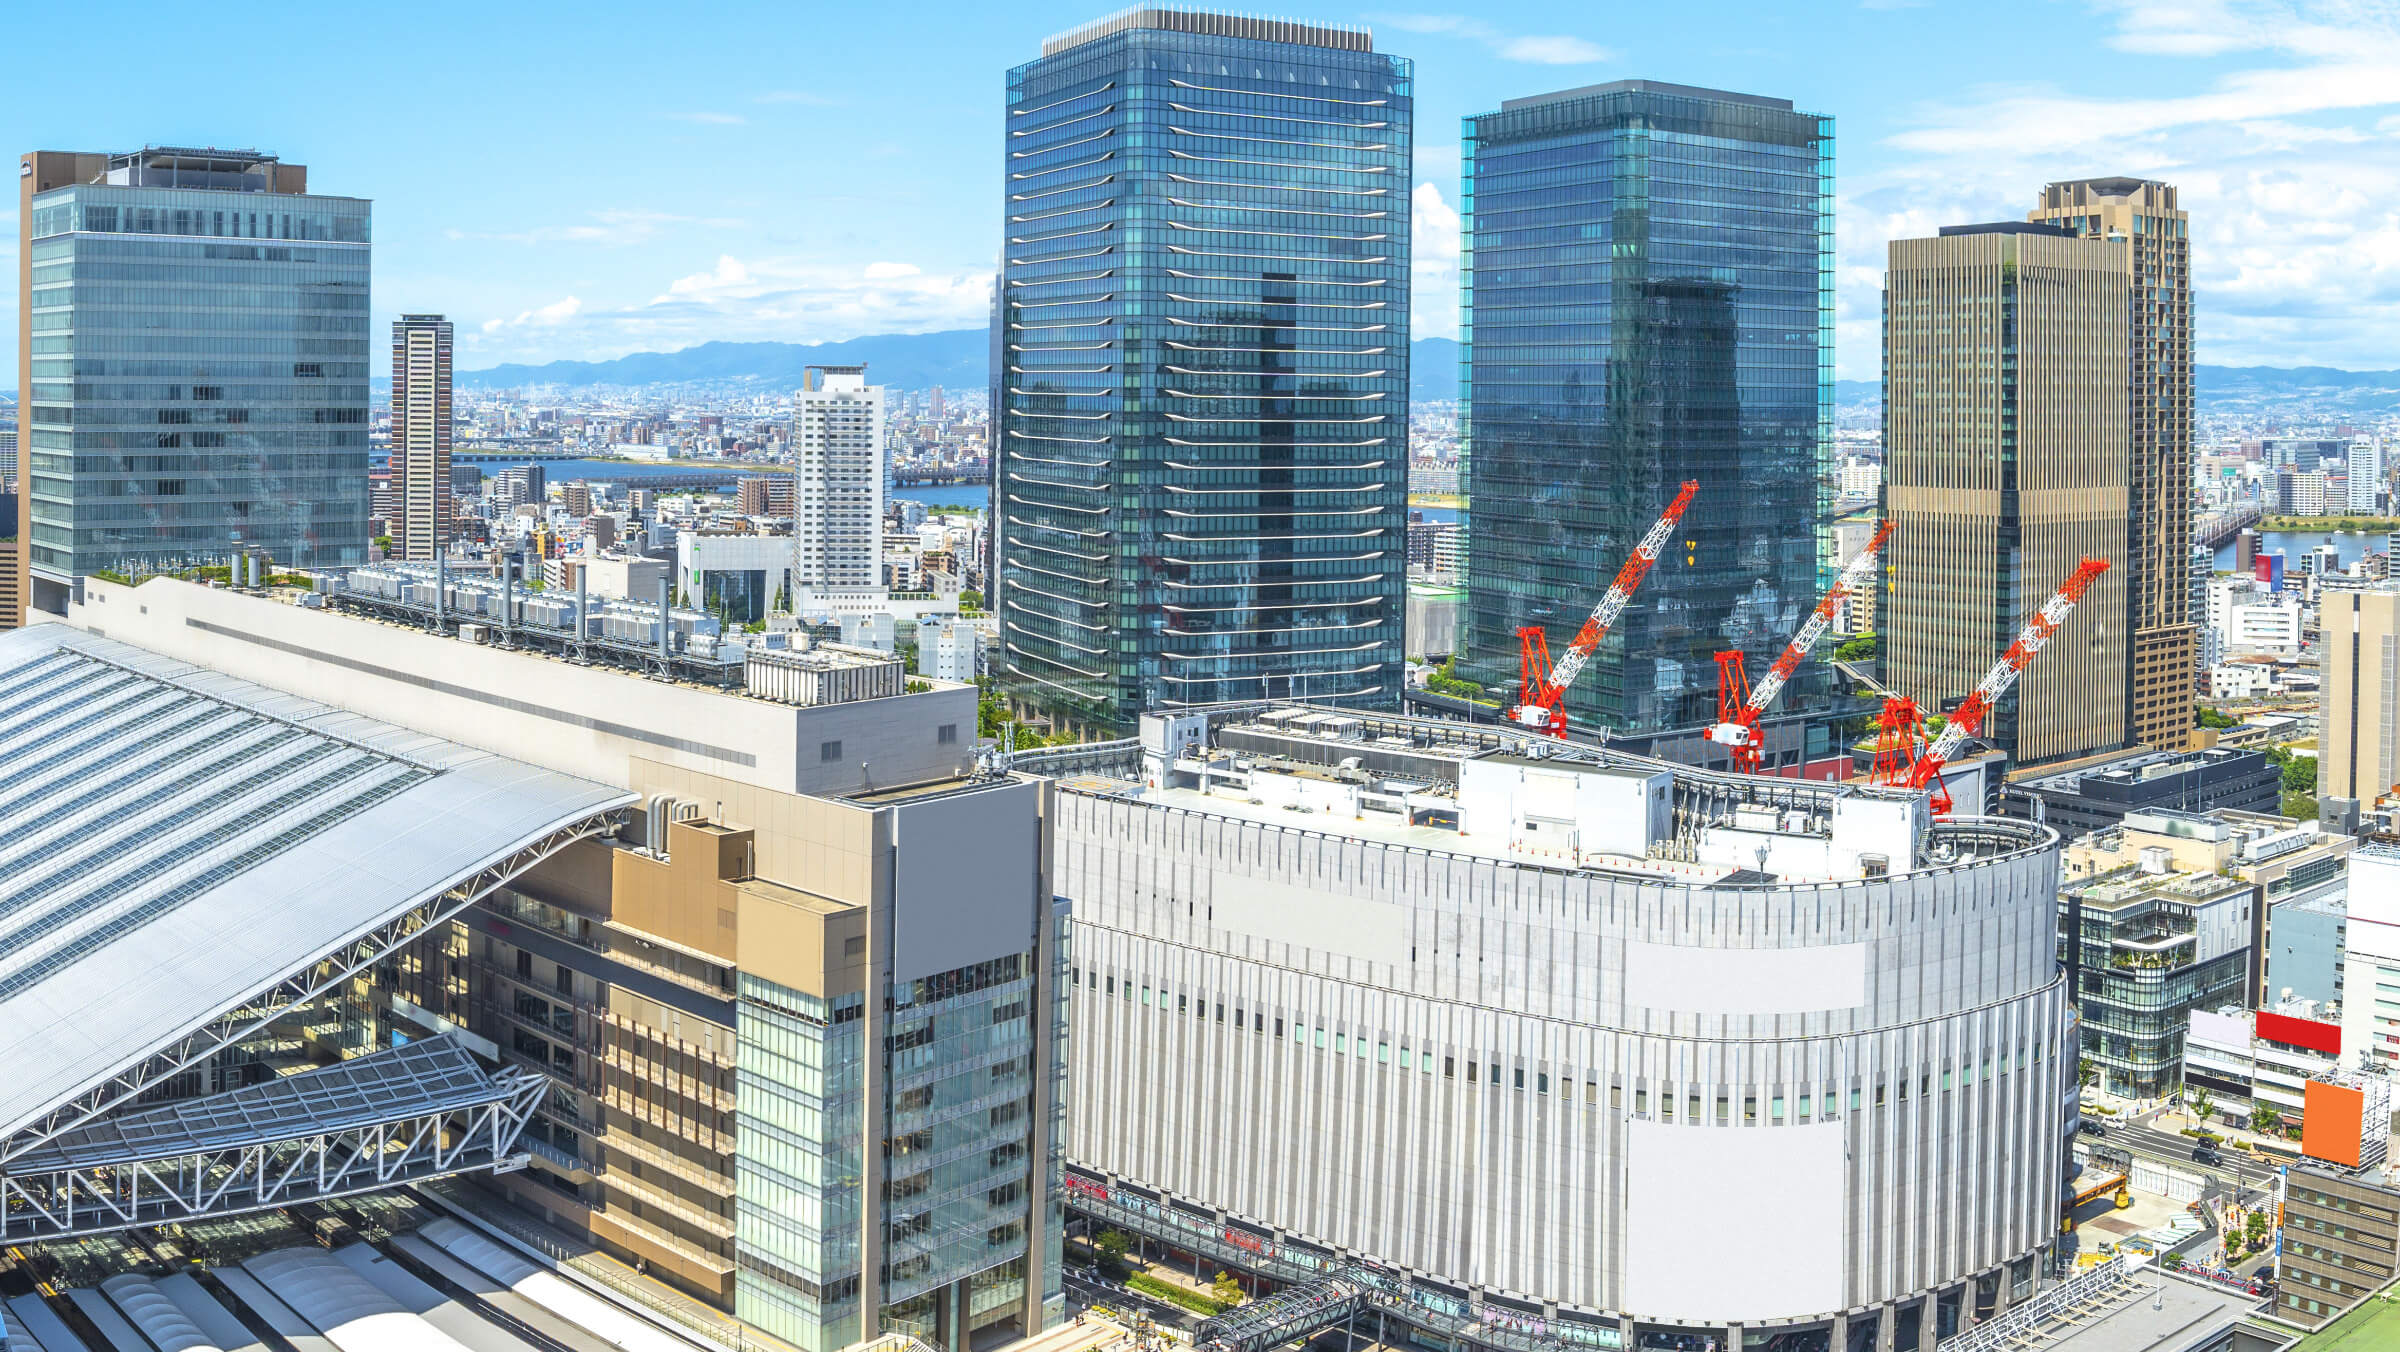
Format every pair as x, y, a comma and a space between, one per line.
181, 850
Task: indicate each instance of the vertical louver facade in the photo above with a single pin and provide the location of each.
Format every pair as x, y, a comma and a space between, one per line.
421, 423
1202, 330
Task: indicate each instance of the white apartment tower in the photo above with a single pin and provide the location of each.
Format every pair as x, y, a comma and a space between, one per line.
421, 435
837, 444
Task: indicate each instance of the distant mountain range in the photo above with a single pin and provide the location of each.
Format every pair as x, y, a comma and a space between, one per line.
2318, 389
957, 358
960, 358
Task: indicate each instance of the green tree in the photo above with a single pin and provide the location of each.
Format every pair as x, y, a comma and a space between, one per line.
1114, 1243
2210, 718
2202, 1102
2087, 1073
1227, 1288
2255, 1230
970, 600
2300, 774
1861, 647
1444, 682
2265, 1120
2300, 807
384, 543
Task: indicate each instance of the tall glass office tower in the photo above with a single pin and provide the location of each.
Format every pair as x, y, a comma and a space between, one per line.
1648, 272
1201, 473
196, 363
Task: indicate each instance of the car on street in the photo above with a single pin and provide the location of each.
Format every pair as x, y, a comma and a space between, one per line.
2207, 1154
2091, 1128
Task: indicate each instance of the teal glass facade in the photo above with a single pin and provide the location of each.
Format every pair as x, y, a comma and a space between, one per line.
199, 376
799, 1086
964, 1159
1648, 277
1202, 332
964, 1162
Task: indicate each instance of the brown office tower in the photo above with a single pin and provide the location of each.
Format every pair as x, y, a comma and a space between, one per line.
2156, 556
2004, 356
421, 435
766, 495
2359, 700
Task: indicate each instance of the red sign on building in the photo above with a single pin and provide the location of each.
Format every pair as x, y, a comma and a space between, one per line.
2308, 1033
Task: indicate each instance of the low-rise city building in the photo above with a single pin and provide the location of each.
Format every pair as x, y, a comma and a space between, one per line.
2095, 797
2144, 945
2341, 1242
2371, 957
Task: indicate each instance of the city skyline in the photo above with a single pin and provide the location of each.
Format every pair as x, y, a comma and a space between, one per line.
2252, 107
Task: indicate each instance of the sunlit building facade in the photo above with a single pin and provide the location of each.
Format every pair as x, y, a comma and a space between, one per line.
1648, 287
197, 359
1202, 341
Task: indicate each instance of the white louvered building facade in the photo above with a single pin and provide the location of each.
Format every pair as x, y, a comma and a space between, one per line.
1639, 1048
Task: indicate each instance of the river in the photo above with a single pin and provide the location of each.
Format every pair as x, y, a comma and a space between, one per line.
937, 497
2294, 543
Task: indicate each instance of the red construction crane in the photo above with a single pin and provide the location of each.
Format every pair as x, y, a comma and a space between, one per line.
1543, 687
1740, 704
1899, 737
1979, 702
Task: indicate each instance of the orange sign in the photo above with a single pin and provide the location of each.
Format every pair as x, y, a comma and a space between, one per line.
2333, 1122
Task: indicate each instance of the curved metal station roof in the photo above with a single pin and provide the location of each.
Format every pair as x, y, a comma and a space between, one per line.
174, 841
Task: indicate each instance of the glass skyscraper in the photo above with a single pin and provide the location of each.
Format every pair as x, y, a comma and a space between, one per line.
1648, 276
196, 337
1201, 474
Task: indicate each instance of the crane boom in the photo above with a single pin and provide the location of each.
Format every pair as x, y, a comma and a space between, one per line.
1741, 731
1996, 682
1544, 691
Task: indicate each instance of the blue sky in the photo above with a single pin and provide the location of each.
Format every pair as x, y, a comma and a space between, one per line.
592, 179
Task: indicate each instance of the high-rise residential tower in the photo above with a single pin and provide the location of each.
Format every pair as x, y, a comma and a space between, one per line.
1201, 463
2005, 464
421, 435
1648, 280
195, 359
837, 448
2156, 555
2358, 704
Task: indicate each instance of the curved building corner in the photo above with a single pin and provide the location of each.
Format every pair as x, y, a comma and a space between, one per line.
1553, 1045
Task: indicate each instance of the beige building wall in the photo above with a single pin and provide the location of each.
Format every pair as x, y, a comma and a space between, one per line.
2359, 699
2139, 223
1983, 448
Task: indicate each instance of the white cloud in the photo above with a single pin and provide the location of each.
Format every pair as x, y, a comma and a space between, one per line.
1433, 271
545, 317
2287, 158
711, 119
793, 300
729, 272
1552, 51
1546, 49
613, 226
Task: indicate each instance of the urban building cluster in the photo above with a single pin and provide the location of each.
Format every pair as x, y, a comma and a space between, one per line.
638, 847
